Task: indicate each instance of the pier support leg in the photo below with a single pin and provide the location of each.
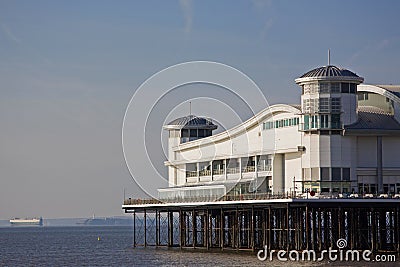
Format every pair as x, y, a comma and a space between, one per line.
134, 228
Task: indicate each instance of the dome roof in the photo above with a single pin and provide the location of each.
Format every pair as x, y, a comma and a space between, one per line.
330, 73
191, 122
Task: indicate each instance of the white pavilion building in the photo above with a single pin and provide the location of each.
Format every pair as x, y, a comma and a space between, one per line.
344, 136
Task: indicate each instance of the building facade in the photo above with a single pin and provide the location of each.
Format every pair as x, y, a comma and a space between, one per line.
344, 136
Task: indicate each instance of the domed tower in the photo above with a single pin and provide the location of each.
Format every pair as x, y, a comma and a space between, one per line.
328, 102
188, 128
329, 98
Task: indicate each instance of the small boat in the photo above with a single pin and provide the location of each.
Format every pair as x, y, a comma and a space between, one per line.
27, 221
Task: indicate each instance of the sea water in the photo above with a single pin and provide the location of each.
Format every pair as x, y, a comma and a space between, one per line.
111, 246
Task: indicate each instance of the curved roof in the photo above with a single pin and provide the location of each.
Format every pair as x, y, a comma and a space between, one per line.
191, 121
255, 121
329, 72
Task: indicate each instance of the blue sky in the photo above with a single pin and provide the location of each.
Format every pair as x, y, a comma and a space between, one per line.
69, 68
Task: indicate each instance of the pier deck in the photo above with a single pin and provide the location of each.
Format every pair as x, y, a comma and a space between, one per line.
275, 224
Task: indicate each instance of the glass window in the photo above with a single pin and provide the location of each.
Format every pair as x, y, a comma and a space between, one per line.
324, 104
306, 173
335, 87
353, 88
314, 121
202, 132
185, 133
324, 88
325, 174
336, 174
306, 122
345, 88
193, 132
335, 104
335, 121
346, 174
314, 174
324, 121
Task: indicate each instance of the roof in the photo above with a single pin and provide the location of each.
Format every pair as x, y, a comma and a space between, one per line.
372, 123
395, 89
329, 72
191, 121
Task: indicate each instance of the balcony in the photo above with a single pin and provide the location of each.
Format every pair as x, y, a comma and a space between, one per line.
233, 170
218, 172
191, 173
205, 173
249, 169
264, 168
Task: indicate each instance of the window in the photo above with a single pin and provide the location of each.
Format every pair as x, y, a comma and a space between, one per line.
335, 121
193, 133
335, 87
314, 174
346, 174
336, 174
202, 132
353, 88
306, 122
325, 174
324, 121
363, 96
345, 88
185, 133
306, 173
324, 88
324, 104
314, 121
335, 104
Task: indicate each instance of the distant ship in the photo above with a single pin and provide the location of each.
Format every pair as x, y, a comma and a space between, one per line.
27, 221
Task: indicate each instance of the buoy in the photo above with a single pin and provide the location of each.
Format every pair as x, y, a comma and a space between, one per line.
98, 238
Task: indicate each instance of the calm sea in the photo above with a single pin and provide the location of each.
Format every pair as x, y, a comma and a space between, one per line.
79, 246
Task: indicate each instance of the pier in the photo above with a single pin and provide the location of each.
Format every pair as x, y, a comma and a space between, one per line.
274, 224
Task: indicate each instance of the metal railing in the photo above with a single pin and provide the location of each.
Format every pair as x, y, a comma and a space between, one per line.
205, 173
249, 169
218, 172
191, 173
262, 168
233, 170
255, 196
